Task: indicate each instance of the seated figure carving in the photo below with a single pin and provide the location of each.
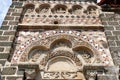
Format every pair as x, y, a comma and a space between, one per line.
44, 10
77, 11
29, 10
60, 10
92, 11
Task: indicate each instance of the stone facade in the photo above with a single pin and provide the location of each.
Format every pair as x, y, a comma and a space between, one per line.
59, 40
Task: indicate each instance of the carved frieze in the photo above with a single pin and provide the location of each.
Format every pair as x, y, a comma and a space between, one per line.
60, 75
61, 53
61, 13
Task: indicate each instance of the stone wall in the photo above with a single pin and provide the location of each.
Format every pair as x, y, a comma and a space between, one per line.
7, 33
111, 22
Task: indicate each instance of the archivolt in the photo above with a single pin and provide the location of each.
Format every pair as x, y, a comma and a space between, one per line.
74, 39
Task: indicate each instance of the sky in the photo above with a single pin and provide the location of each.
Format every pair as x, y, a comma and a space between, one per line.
4, 5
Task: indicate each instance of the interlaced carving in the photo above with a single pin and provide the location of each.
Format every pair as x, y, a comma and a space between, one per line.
86, 55
59, 75
61, 53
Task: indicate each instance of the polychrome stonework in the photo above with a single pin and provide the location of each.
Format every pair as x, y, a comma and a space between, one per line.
59, 40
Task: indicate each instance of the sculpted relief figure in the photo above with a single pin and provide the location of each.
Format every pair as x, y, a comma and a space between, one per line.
86, 55
44, 10
77, 11
29, 9
92, 11
60, 10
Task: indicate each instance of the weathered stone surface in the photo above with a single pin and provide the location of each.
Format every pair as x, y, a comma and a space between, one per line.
107, 77
4, 27
1, 49
20, 72
112, 37
1, 32
9, 18
116, 33
109, 27
13, 23
111, 43
9, 33
9, 71
113, 23
108, 33
5, 23
3, 78
4, 38
113, 34
2, 62
14, 78
16, 14
117, 27
4, 55
118, 43
5, 43
6, 31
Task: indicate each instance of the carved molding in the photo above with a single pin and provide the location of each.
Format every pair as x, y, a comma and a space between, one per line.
60, 75
61, 53
47, 38
61, 13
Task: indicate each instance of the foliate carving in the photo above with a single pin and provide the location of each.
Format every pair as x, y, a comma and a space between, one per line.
60, 75
61, 53
86, 55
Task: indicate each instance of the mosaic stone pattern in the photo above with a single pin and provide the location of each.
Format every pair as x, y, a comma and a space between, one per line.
95, 39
